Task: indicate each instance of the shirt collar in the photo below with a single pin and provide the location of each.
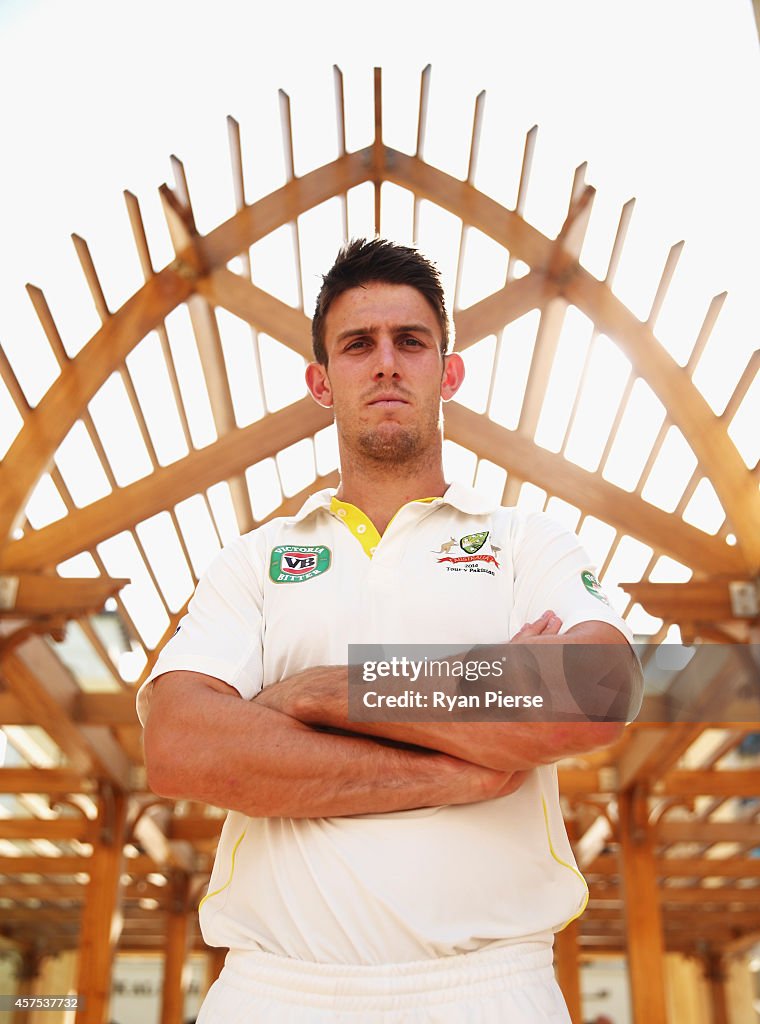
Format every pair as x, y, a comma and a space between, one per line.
458, 495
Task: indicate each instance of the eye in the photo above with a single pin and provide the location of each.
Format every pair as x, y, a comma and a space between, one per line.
411, 340
358, 343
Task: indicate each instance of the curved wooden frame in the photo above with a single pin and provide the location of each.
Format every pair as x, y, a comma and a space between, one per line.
201, 269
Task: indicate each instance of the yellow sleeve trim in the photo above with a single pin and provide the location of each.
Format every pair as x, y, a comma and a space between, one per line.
232, 871
564, 864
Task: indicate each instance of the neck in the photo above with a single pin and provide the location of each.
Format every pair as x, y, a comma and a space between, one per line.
381, 491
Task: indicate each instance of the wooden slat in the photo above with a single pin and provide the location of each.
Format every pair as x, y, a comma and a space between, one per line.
666, 278
91, 276
141, 243
705, 331
340, 113
378, 155
522, 187
286, 122
422, 113
208, 339
472, 164
745, 382
9, 378
43, 780
42, 596
238, 180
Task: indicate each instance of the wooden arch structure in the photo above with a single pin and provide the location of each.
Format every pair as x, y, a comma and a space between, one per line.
670, 814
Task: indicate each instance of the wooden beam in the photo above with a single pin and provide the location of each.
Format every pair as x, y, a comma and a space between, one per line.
101, 917
695, 601
36, 595
585, 781
38, 865
680, 867
628, 513
52, 829
43, 780
175, 951
491, 314
105, 708
567, 967
258, 308
652, 752
697, 896
41, 682
168, 485
709, 832
643, 918
731, 782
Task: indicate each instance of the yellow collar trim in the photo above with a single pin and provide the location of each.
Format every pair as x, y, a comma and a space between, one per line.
360, 525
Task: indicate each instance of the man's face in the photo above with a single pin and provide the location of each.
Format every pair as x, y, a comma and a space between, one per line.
385, 375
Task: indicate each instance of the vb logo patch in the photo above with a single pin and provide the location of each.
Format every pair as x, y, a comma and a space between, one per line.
291, 564
594, 587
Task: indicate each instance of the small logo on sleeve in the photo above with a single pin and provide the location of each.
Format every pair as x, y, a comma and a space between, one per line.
591, 583
291, 564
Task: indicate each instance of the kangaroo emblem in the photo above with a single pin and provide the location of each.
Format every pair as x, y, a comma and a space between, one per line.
445, 548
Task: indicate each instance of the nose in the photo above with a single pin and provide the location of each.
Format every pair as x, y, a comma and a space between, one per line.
386, 361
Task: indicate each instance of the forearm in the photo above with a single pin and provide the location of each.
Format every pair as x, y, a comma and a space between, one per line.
320, 697
240, 755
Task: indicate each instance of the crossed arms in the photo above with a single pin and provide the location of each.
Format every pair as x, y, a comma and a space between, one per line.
270, 757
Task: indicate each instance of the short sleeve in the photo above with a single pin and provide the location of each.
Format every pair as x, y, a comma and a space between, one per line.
553, 571
220, 635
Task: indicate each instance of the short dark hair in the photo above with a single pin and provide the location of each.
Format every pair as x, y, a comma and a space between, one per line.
360, 262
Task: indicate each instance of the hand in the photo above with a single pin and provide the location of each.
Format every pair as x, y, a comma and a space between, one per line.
548, 625
465, 782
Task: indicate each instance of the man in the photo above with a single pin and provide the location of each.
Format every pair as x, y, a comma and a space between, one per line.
408, 871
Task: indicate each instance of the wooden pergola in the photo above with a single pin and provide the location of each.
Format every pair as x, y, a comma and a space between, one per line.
665, 824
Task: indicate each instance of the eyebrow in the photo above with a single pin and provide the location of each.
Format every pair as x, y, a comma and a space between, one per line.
354, 332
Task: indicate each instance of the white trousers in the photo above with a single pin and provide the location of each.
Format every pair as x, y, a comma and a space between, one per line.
508, 985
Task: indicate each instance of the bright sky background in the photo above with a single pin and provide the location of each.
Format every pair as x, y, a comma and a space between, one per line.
659, 97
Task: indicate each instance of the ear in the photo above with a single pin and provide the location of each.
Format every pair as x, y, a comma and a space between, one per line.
453, 375
318, 384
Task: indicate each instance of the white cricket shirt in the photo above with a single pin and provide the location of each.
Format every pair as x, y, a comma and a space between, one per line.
408, 885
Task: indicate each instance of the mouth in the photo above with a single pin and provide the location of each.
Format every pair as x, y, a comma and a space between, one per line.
388, 401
